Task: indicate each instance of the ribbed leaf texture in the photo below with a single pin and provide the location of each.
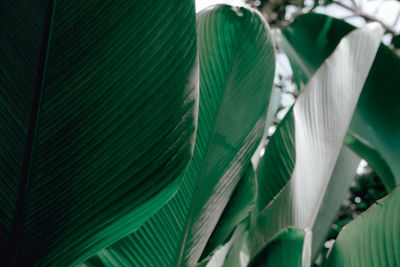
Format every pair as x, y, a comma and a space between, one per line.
318, 121
336, 191
374, 130
239, 207
98, 109
278, 162
372, 239
342, 176
236, 73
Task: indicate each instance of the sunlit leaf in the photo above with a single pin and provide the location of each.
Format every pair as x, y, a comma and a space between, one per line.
309, 140
374, 132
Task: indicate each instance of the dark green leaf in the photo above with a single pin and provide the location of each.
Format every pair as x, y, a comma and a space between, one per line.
285, 249
396, 41
278, 162
237, 68
98, 105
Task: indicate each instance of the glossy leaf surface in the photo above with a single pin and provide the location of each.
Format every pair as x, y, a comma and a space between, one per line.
374, 132
310, 138
237, 68
98, 116
372, 239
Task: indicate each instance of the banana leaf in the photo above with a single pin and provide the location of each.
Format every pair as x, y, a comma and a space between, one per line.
309, 141
239, 207
99, 103
375, 127
336, 191
372, 239
236, 73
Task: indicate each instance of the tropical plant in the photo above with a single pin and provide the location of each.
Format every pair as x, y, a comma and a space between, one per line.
134, 134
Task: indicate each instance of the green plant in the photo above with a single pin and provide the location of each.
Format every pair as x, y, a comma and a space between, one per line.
111, 156
364, 192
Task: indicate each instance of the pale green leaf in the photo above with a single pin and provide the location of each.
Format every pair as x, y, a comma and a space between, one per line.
311, 137
374, 132
338, 186
372, 239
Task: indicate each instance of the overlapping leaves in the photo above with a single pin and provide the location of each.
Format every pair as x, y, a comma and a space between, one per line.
236, 67
309, 139
300, 157
374, 130
99, 114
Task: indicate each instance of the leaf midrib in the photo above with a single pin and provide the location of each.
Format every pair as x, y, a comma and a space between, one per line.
183, 247
30, 145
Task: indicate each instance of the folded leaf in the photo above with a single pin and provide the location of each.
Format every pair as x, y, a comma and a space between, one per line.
312, 134
239, 253
372, 239
239, 207
375, 127
235, 244
277, 165
343, 175
237, 69
98, 108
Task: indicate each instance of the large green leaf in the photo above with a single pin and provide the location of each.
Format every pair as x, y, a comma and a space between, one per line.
237, 68
374, 132
243, 200
309, 140
372, 239
98, 108
342, 176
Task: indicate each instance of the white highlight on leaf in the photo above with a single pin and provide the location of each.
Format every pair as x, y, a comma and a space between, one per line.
320, 128
244, 258
262, 151
329, 243
361, 167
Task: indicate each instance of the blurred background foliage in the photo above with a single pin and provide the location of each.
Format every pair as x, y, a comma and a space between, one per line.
366, 189
279, 13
